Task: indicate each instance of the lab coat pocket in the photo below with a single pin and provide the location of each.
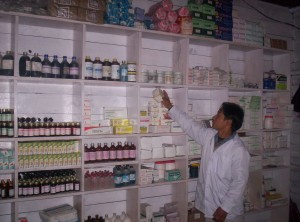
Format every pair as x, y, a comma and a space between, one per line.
223, 168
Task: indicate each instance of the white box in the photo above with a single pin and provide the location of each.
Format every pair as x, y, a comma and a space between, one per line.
158, 152
146, 154
146, 143
180, 150
170, 151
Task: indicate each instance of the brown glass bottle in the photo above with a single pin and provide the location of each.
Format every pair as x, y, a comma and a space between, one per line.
92, 153
99, 153
105, 153
88, 68
86, 154
119, 151
126, 151
132, 151
106, 75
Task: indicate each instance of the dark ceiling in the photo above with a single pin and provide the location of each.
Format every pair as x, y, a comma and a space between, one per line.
285, 3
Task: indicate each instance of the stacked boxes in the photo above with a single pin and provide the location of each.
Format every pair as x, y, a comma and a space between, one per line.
208, 76
89, 11
7, 159
224, 19
252, 109
275, 140
203, 17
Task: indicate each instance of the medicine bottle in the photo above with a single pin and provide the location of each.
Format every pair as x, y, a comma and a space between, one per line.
268, 122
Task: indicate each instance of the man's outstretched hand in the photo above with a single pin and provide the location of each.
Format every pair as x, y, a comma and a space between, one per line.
166, 101
220, 215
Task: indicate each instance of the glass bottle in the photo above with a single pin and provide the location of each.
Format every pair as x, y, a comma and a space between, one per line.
36, 66
112, 152
106, 70
46, 67
105, 152
24, 65
132, 175
97, 69
92, 153
132, 152
3, 189
76, 184
20, 188
99, 153
64, 68
88, 68
7, 64
125, 176
10, 129
86, 154
53, 186
126, 151
55, 67
119, 149
74, 68
124, 72
115, 70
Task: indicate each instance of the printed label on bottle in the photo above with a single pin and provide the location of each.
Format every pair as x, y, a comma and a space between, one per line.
99, 155
125, 178
53, 189
36, 132
126, 154
25, 191
112, 155
42, 131
57, 188
131, 78
36, 66
55, 70
86, 156
47, 132
123, 72
97, 70
66, 70
88, 69
132, 154
11, 192
115, 69
28, 66
7, 64
30, 132
92, 156
74, 71
77, 188
67, 186
10, 132
120, 154
132, 176
25, 132
47, 189
131, 67
30, 191
20, 191
36, 190
57, 131
106, 71
46, 69
62, 188
117, 179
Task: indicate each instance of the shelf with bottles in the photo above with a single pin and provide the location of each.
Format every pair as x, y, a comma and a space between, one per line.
108, 151
158, 196
31, 207
110, 177
110, 203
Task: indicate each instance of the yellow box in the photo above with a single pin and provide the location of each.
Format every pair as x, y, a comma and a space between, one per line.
123, 129
120, 122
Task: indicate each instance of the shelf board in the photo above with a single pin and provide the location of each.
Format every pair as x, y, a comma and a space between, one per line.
163, 159
275, 168
48, 196
203, 87
276, 129
244, 89
87, 192
157, 85
112, 163
7, 139
7, 171
48, 168
275, 91
99, 136
276, 149
162, 134
51, 81
108, 83
198, 156
8, 200
161, 183
46, 138
256, 211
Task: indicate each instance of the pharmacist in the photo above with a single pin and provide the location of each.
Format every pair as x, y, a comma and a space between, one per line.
224, 164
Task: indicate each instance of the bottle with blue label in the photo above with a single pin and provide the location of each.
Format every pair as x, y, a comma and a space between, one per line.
46, 67
124, 72
88, 68
266, 80
126, 176
55, 68
97, 69
132, 176
118, 176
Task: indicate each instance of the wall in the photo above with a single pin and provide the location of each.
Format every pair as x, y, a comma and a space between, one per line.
296, 54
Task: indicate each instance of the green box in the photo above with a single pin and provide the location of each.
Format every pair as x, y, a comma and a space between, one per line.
204, 32
172, 175
281, 82
203, 24
201, 15
206, 9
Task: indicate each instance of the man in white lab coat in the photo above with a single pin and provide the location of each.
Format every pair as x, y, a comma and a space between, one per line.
224, 166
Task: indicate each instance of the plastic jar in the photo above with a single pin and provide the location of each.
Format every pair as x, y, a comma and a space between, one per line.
169, 77
170, 165
268, 122
178, 78
160, 166
194, 169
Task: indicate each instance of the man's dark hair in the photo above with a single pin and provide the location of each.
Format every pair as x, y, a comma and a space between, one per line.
235, 113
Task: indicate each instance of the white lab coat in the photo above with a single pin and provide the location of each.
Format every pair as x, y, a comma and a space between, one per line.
223, 173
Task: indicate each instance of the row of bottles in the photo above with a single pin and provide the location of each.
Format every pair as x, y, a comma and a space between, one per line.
124, 176
109, 71
107, 153
7, 189
35, 67
47, 182
114, 218
38, 129
6, 122
7, 64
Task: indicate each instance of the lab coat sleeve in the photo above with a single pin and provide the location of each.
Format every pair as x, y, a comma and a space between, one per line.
192, 128
240, 173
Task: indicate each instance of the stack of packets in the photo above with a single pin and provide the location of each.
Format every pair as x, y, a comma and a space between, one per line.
7, 159
224, 19
119, 13
203, 17
204, 76
272, 196
160, 147
194, 147
155, 119
62, 213
168, 20
89, 11
252, 109
169, 212
275, 140
107, 120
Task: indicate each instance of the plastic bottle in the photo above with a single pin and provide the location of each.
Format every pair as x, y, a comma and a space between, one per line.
24, 65
113, 218
118, 219
125, 176
118, 177
107, 219
123, 215
97, 69
106, 75
7, 64
36, 66
46, 67
124, 72
132, 175
55, 68
115, 70
65, 68
88, 68
74, 69
127, 218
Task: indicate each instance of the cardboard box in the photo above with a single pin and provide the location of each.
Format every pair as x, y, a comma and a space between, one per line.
93, 4
195, 215
66, 2
89, 15
62, 11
